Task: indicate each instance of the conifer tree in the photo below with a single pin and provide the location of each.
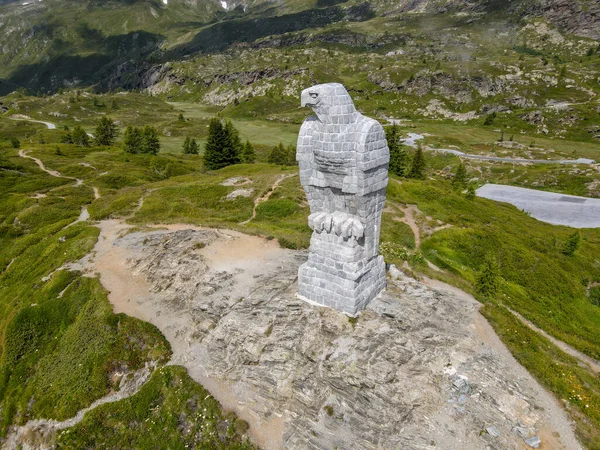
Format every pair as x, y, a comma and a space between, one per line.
194, 148
248, 155
459, 182
291, 156
278, 155
80, 137
399, 157
417, 168
218, 151
235, 143
67, 138
471, 193
190, 146
106, 131
132, 140
489, 119
186, 145
150, 140
487, 281
15, 143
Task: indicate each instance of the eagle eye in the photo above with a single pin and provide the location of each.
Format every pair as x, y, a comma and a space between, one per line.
314, 94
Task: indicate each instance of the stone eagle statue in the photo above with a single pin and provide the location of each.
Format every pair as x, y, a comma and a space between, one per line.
343, 158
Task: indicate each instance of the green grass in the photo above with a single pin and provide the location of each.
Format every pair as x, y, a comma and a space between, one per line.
170, 411
40, 343
542, 284
576, 388
60, 342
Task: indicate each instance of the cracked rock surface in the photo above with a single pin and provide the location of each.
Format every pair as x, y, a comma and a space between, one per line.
419, 369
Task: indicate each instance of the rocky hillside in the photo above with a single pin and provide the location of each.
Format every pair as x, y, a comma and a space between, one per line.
62, 43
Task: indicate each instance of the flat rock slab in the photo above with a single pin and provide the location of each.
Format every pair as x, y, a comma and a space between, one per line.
419, 369
550, 207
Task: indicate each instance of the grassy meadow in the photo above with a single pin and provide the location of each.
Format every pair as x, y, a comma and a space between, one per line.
61, 342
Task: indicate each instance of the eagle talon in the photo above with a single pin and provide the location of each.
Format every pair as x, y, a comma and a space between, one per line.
320, 222
352, 227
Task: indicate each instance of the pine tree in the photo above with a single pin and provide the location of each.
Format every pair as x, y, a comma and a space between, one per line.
194, 148
489, 119
132, 140
186, 145
67, 138
190, 146
417, 168
487, 281
217, 150
15, 143
248, 155
278, 155
150, 140
572, 244
459, 182
291, 156
106, 132
399, 157
235, 143
471, 193
80, 137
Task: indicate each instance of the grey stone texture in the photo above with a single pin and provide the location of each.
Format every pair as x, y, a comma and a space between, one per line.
343, 158
420, 369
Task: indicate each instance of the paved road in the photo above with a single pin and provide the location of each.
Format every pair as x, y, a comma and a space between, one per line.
550, 207
412, 139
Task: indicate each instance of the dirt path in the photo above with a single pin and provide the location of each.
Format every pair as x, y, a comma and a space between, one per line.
129, 292
54, 173
266, 197
84, 214
584, 359
38, 433
409, 219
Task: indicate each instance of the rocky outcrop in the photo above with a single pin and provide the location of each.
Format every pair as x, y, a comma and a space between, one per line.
571, 16
419, 369
158, 74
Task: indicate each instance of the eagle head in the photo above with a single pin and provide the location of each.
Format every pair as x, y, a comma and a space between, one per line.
328, 101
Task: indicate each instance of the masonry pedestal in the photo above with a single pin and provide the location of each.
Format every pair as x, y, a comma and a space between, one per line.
337, 274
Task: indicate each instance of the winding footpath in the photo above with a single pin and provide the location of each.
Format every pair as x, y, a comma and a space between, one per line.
49, 125
84, 214
54, 173
266, 197
45, 429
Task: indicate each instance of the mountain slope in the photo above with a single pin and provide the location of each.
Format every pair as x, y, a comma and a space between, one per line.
61, 43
